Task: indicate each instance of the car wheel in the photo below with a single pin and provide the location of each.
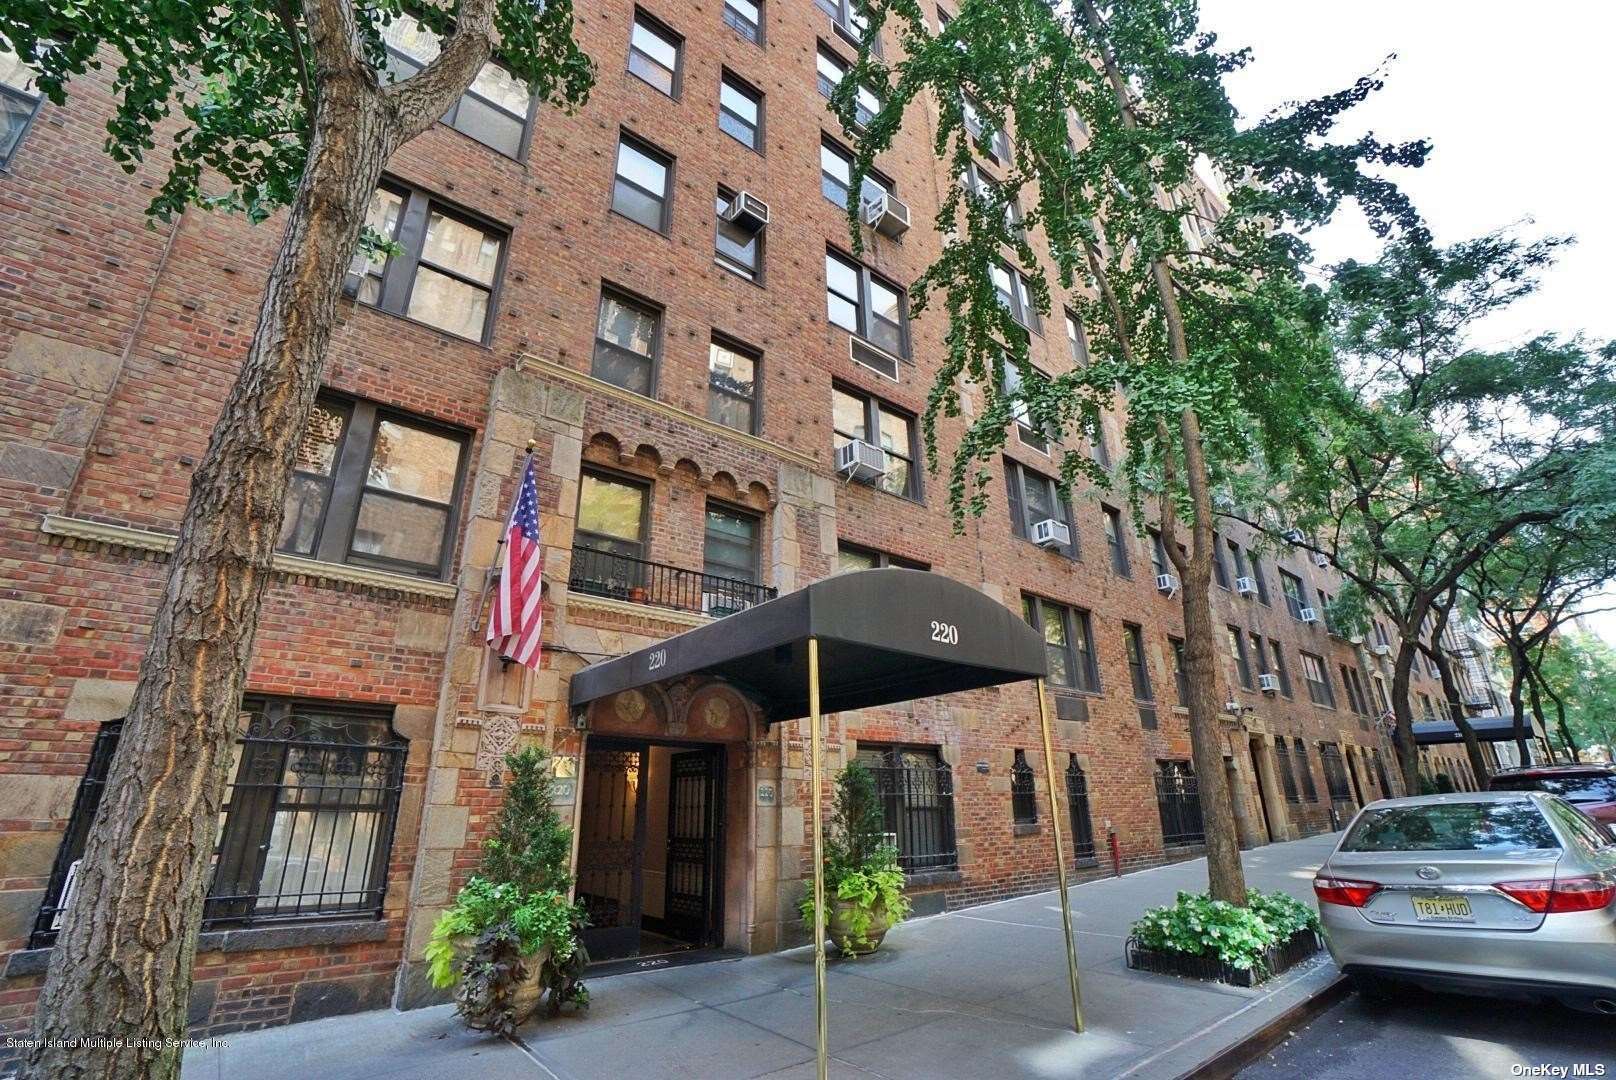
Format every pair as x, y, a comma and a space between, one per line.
1374, 989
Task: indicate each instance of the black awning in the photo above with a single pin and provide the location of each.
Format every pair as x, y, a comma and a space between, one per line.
884, 636
1489, 728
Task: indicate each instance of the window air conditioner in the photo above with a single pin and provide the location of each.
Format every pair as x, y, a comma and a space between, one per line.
1320, 559
877, 360
1050, 533
858, 460
1380, 649
1295, 536
1308, 615
1166, 584
887, 215
747, 211
1245, 586
1268, 684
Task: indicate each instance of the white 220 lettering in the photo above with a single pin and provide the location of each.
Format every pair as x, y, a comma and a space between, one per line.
947, 633
658, 659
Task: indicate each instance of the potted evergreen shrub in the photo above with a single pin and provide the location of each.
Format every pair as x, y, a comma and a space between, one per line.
863, 882
512, 934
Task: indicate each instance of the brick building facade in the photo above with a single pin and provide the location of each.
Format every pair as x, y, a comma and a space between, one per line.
684, 380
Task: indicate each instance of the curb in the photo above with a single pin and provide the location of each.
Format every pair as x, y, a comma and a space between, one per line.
1229, 1061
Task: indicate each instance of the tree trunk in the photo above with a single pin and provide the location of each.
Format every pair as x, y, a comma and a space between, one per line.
121, 968
1560, 717
1517, 675
1408, 755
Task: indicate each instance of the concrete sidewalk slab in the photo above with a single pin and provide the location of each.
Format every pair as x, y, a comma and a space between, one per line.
970, 993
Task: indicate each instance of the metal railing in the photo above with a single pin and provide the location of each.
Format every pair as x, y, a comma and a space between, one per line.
640, 581
917, 801
1178, 798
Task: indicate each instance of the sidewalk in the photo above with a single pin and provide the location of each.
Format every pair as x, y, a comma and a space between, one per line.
972, 993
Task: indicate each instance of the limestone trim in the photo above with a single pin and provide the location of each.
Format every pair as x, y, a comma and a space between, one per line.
554, 370
609, 606
124, 536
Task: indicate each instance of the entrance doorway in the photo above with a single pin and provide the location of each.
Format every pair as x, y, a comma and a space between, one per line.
1261, 776
650, 847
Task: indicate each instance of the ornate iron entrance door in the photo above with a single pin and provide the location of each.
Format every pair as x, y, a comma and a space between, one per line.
695, 830
611, 847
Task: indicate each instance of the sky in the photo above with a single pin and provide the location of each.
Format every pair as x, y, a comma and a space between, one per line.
1517, 102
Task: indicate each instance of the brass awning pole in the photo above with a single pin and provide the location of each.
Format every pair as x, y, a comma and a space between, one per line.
814, 748
1060, 851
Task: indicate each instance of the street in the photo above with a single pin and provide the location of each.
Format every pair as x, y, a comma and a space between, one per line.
1436, 1036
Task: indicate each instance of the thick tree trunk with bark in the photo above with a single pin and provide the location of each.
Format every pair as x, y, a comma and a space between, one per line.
1560, 716
1408, 755
122, 964
1517, 705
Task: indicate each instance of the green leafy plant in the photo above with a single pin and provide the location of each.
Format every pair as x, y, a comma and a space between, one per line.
515, 907
1238, 936
861, 865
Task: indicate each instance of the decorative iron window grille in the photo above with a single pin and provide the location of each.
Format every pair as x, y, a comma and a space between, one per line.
1287, 776
307, 822
1304, 772
1335, 773
1077, 801
916, 788
640, 581
1178, 798
1023, 797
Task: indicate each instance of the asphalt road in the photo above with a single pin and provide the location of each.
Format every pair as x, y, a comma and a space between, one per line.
1435, 1036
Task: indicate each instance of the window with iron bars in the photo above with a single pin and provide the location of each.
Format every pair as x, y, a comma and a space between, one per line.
307, 823
1023, 796
1335, 773
1178, 799
1287, 776
1077, 801
916, 788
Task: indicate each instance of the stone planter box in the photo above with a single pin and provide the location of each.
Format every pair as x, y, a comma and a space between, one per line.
1287, 954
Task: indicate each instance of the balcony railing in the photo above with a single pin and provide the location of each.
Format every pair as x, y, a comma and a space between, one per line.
639, 581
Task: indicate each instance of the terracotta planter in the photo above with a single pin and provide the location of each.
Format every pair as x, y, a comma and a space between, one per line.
840, 926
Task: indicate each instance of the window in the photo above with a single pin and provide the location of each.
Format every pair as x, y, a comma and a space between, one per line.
1502, 826
1077, 341
1279, 668
738, 248
991, 141
1304, 771
849, 23
1158, 553
732, 386
1115, 541
640, 191
1287, 778
1077, 803
976, 180
1068, 640
1357, 700
1015, 293
374, 487
1294, 594
1237, 559
654, 53
745, 17
1259, 579
1383, 702
740, 112
496, 110
916, 789
1426, 708
1100, 449
858, 301
1380, 635
730, 548
853, 557
1133, 641
859, 416
1035, 497
1178, 800
611, 514
446, 273
19, 101
831, 71
1220, 572
1259, 655
836, 175
1181, 678
1029, 434
1237, 649
1023, 792
1335, 774
1317, 677
628, 338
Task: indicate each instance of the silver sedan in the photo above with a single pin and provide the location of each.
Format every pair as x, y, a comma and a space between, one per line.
1504, 893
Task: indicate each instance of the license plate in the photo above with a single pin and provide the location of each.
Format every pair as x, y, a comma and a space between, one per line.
1443, 909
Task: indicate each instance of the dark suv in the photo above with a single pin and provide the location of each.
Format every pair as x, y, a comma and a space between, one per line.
1590, 788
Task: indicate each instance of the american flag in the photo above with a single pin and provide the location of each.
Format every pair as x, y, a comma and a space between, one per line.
517, 617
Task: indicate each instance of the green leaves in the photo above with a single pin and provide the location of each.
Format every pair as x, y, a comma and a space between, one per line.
1238, 936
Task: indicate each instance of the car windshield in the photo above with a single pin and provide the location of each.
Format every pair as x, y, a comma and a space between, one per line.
1455, 826
1577, 789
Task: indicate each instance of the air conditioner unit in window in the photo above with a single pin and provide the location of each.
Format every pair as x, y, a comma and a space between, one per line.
1245, 586
747, 211
877, 360
1050, 533
1268, 684
887, 215
858, 460
1167, 584
1308, 615
1295, 536
1320, 559
1380, 649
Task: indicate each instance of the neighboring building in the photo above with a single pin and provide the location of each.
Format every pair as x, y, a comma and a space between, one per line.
598, 284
